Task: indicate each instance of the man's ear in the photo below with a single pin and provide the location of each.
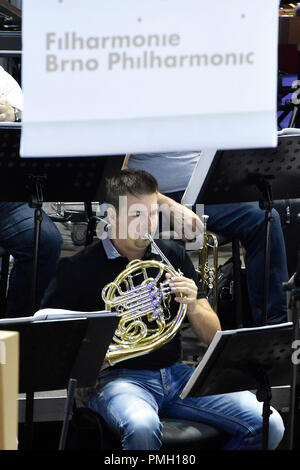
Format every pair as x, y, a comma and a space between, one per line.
112, 215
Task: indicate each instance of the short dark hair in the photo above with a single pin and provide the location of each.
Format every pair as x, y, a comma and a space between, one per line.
131, 181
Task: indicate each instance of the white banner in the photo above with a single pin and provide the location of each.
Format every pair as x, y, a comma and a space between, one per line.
115, 76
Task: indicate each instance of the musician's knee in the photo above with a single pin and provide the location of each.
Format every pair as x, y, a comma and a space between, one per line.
142, 430
276, 430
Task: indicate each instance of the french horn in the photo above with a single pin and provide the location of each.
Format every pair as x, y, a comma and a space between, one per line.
141, 296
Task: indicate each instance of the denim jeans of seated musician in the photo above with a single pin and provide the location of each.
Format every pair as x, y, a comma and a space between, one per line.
131, 402
17, 235
246, 221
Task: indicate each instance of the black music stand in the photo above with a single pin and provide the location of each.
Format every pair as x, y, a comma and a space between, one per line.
38, 180
293, 286
262, 175
55, 351
263, 360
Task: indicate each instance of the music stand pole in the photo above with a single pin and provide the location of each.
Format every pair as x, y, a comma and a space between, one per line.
36, 203
293, 286
266, 203
68, 410
264, 394
29, 419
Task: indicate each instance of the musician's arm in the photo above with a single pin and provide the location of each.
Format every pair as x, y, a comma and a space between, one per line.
183, 220
7, 112
202, 318
11, 96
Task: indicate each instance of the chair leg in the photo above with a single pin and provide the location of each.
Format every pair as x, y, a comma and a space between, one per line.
237, 283
4, 283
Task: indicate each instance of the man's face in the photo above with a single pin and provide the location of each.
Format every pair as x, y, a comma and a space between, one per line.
138, 216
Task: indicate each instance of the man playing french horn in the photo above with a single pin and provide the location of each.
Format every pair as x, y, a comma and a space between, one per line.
142, 383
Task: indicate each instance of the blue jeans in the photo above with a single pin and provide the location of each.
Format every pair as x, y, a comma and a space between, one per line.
133, 401
17, 235
246, 221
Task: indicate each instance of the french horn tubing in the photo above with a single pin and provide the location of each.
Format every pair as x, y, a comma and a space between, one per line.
141, 296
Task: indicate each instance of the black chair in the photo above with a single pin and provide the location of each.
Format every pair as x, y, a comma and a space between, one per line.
4, 255
89, 431
185, 434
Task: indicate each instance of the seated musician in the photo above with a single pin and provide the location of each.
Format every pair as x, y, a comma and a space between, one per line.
244, 221
135, 393
17, 226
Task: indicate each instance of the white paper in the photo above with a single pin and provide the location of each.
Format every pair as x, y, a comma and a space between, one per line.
113, 76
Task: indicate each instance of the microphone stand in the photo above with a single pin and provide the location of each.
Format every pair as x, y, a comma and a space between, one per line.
293, 286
